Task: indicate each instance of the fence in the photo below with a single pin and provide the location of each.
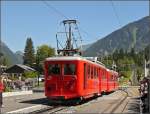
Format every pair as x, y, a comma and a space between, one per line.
20, 85
145, 94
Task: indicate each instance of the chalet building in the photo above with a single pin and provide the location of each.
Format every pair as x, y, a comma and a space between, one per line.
2, 69
17, 70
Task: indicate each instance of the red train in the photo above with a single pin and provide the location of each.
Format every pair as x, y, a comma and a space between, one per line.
69, 77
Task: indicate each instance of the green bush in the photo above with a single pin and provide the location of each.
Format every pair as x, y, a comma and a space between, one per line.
30, 74
7, 89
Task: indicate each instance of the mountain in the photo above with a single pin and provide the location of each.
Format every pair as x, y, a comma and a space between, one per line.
11, 57
19, 56
133, 35
84, 47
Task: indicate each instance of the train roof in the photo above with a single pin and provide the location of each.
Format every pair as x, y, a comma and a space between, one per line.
71, 58
67, 58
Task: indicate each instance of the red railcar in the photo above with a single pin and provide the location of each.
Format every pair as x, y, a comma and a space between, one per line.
76, 77
112, 83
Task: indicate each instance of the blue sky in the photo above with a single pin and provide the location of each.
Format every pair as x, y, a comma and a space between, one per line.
34, 19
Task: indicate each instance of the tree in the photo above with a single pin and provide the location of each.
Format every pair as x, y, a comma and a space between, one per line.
4, 61
43, 52
29, 57
147, 52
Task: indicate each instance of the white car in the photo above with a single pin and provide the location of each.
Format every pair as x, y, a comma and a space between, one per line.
41, 78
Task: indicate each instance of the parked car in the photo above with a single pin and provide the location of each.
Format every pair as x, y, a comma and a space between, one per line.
41, 78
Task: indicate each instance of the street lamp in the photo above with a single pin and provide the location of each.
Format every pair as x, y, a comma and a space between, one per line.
37, 66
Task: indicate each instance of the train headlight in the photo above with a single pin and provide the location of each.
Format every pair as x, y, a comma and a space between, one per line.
49, 77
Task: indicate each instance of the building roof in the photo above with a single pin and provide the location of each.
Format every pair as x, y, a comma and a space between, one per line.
27, 68
19, 68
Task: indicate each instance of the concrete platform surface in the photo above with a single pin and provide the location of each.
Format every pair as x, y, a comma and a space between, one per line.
8, 94
22, 101
103, 104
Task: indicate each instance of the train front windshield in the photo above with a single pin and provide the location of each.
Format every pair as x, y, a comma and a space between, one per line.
56, 69
69, 69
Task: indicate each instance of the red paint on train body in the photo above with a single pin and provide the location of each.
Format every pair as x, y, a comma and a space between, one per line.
75, 77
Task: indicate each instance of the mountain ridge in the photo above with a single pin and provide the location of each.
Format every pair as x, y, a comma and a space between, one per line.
133, 35
12, 57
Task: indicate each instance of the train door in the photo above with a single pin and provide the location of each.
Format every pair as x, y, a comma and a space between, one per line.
53, 78
69, 77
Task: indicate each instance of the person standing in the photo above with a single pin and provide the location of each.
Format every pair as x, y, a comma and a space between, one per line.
1, 91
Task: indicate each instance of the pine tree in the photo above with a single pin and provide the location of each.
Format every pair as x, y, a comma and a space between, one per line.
147, 52
29, 57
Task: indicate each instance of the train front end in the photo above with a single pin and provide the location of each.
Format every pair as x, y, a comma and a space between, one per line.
60, 78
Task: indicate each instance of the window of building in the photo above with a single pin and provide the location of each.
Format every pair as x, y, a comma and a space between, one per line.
54, 69
69, 69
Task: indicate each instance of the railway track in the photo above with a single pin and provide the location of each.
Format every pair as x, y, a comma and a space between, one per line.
117, 105
120, 107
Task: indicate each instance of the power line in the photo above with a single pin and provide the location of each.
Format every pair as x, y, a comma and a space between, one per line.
63, 15
54, 9
115, 12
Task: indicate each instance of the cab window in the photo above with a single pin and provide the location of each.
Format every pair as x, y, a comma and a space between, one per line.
69, 69
54, 69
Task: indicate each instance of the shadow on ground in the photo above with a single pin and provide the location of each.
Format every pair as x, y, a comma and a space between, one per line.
36, 101
48, 102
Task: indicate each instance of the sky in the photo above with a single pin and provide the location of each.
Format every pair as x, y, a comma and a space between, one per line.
23, 19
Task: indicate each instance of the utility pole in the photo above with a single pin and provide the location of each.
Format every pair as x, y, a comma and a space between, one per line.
1, 55
149, 7
0, 45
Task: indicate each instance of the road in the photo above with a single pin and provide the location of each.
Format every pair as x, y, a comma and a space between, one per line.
116, 102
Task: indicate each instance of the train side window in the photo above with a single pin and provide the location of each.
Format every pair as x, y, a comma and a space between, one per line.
91, 72
88, 71
97, 73
114, 78
111, 78
53, 69
103, 75
94, 72
69, 69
